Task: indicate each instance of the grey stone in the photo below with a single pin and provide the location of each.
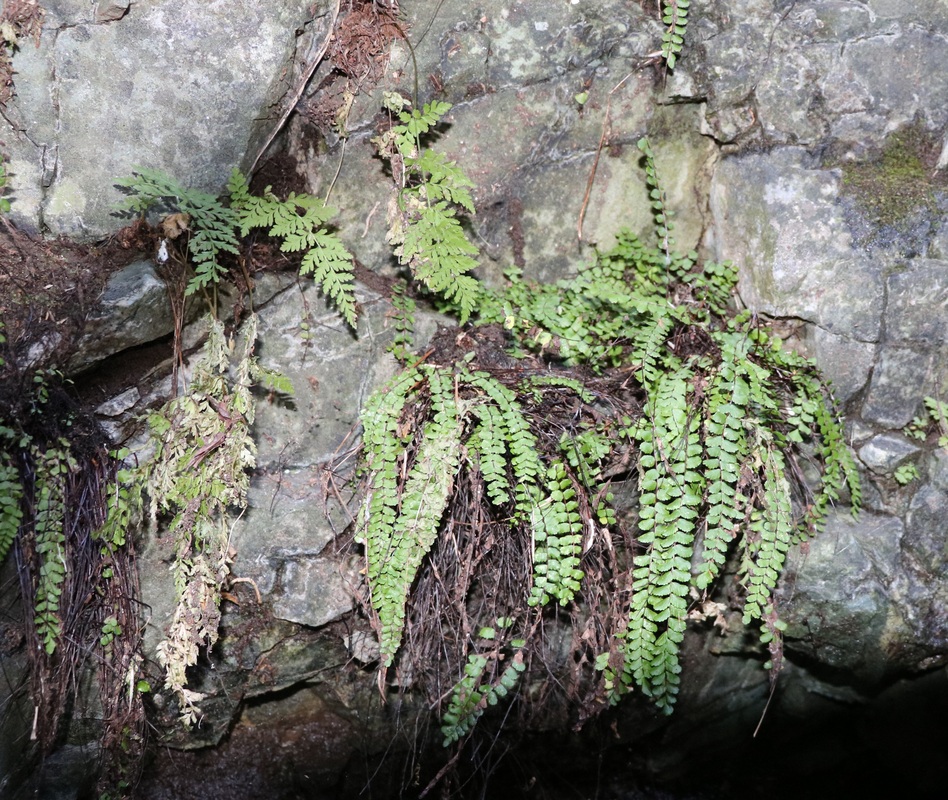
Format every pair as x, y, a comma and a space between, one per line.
846, 363
314, 592
899, 383
938, 469
134, 309
119, 404
884, 453
111, 10
153, 89
835, 595
776, 218
917, 306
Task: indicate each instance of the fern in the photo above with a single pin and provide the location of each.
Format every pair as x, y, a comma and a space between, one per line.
675, 18
722, 407
300, 221
11, 511
525, 462
199, 472
472, 695
769, 538
557, 541
660, 212
403, 312
671, 492
393, 560
211, 223
726, 450
50, 541
424, 228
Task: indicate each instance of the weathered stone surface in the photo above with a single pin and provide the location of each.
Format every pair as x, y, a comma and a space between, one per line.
913, 363
836, 597
176, 86
133, 310
884, 453
776, 217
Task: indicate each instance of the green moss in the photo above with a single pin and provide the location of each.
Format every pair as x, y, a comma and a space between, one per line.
897, 182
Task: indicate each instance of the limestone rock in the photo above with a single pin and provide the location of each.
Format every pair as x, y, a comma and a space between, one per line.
182, 87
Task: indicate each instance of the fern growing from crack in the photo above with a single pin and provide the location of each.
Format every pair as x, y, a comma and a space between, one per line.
424, 227
211, 223
722, 407
675, 18
300, 221
212, 229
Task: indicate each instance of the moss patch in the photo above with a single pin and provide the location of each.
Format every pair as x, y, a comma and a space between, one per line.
899, 181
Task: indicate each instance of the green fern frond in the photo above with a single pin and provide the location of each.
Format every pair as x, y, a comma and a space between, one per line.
471, 696
423, 224
525, 461
11, 511
488, 445
675, 17
726, 451
50, 541
300, 222
440, 256
393, 562
768, 540
403, 314
660, 211
557, 532
212, 224
672, 488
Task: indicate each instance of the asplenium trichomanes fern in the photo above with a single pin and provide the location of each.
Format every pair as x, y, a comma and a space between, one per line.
675, 19
718, 408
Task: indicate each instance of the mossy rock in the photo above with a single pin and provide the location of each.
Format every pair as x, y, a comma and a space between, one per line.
900, 181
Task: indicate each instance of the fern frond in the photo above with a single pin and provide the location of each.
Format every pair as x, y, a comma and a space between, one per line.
726, 450
768, 540
393, 563
440, 256
403, 313
557, 531
488, 444
11, 511
525, 461
675, 17
300, 222
443, 179
49, 516
671, 489
660, 211
212, 225
471, 696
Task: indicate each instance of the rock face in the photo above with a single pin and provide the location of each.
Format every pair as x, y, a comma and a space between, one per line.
182, 87
804, 141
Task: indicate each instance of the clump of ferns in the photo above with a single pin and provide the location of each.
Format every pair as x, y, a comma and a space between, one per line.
487, 510
459, 515
78, 585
